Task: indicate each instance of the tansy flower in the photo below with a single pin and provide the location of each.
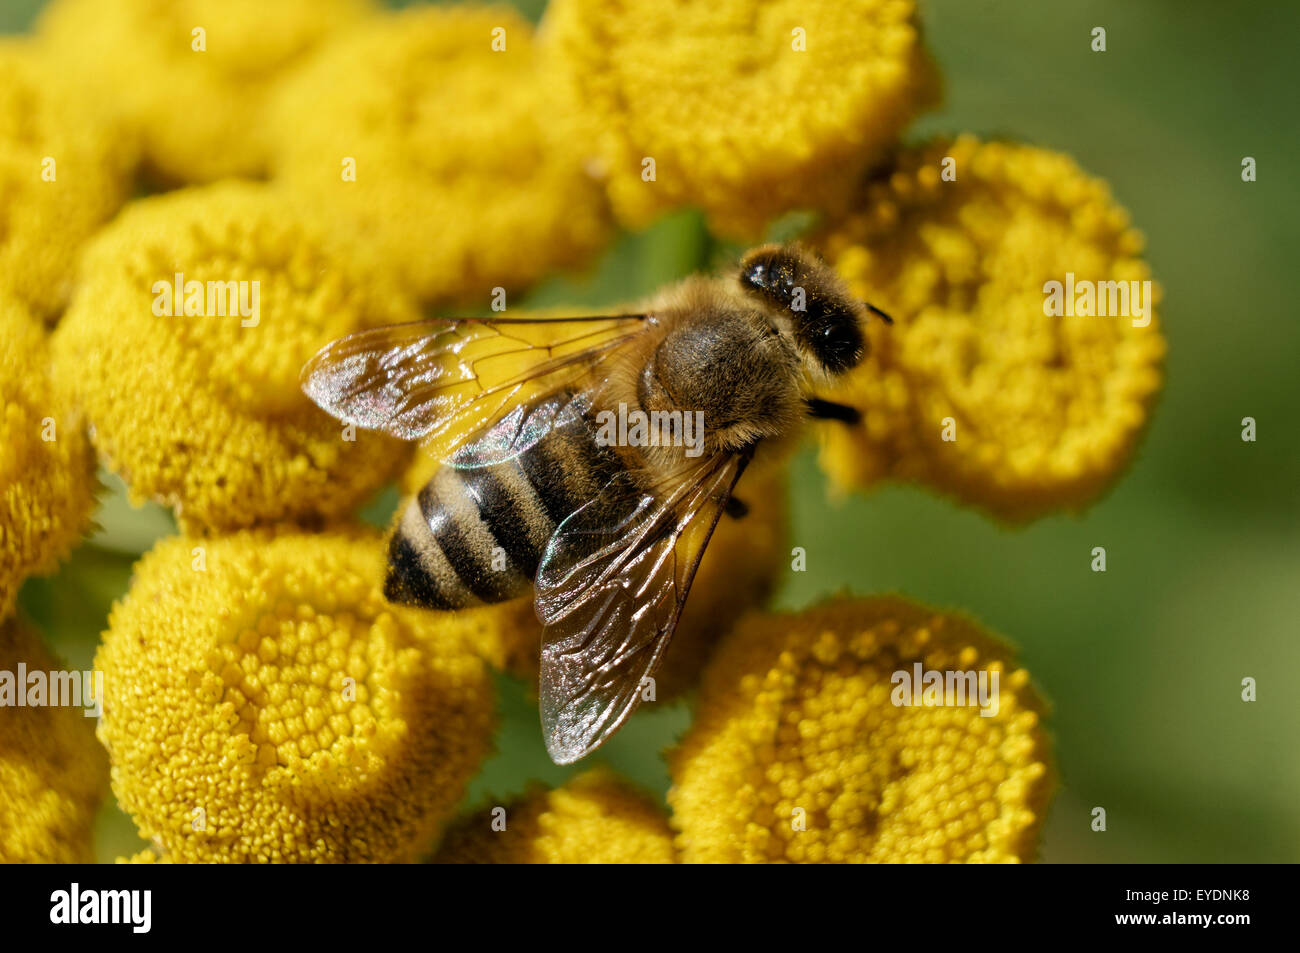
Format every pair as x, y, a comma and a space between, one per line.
804, 749
596, 818
191, 76
747, 108
425, 132
740, 569
146, 856
975, 389
264, 703
63, 171
194, 397
53, 773
47, 469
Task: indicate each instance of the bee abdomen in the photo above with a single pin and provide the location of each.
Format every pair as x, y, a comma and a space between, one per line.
476, 536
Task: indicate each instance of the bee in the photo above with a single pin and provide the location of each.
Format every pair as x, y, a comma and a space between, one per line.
608, 531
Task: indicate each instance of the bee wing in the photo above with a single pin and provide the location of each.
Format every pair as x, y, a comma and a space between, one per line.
452, 377
609, 591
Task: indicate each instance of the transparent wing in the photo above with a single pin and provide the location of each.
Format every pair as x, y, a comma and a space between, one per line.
523, 426
450, 378
609, 590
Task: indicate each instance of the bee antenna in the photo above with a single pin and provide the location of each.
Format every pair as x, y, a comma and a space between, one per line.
884, 317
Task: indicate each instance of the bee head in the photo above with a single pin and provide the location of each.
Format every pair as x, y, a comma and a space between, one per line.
825, 321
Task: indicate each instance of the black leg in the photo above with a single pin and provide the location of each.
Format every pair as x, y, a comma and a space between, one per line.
874, 310
828, 410
736, 508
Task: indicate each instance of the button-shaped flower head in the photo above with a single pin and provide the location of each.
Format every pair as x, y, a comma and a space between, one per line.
821, 737
745, 108
264, 703
425, 132
184, 346
988, 386
596, 818
47, 469
191, 77
53, 772
64, 169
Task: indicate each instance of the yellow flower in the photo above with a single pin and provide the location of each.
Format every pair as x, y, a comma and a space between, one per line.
739, 571
47, 469
976, 390
748, 108
417, 132
146, 856
264, 703
596, 818
203, 412
191, 77
800, 750
52, 771
63, 171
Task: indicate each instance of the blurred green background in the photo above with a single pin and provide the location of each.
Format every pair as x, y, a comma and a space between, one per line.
1143, 664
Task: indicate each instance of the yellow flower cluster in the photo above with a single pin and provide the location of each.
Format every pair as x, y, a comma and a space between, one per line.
63, 171
424, 132
191, 77
596, 818
47, 469
801, 751
264, 703
975, 390
52, 773
746, 108
194, 396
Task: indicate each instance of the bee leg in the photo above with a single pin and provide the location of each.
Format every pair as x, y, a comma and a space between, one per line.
736, 508
874, 310
828, 410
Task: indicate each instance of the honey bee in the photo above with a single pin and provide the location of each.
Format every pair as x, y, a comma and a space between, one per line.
607, 524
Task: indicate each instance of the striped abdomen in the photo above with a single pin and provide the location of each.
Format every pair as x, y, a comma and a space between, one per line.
475, 536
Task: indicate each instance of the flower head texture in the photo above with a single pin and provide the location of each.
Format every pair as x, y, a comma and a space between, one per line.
63, 171
47, 468
800, 750
596, 818
146, 856
748, 108
424, 131
976, 390
264, 703
194, 397
190, 77
53, 773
